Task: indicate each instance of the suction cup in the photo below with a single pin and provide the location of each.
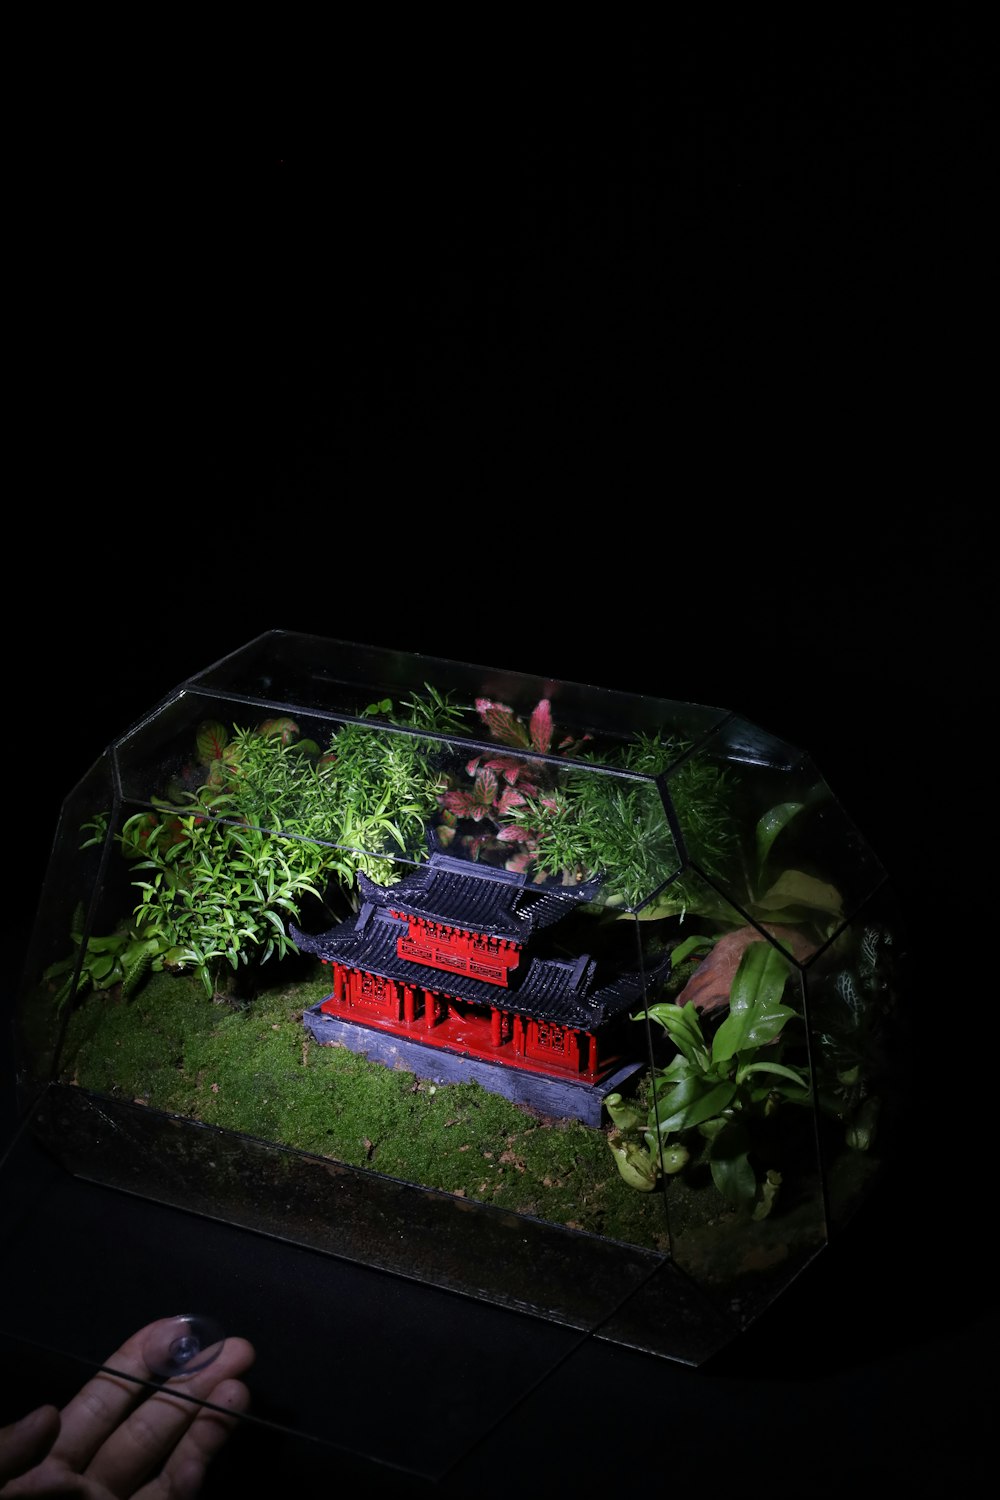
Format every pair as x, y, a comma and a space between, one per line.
177, 1347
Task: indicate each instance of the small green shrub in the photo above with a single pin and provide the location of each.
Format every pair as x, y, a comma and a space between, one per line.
706, 1101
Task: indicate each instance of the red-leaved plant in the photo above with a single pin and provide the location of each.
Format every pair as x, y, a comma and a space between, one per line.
503, 784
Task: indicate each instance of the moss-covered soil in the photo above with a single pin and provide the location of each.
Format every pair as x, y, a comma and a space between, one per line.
253, 1069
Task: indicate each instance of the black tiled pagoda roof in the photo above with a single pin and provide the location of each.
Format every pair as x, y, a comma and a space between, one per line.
490, 901
478, 898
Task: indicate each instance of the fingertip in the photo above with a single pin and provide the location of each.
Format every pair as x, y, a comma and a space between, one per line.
39, 1420
240, 1355
215, 1423
187, 1479
232, 1395
25, 1442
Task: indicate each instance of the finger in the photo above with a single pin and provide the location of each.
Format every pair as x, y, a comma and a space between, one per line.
90, 1417
26, 1442
102, 1405
148, 1435
183, 1474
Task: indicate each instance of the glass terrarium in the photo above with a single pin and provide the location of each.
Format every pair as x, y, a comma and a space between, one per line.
571, 1000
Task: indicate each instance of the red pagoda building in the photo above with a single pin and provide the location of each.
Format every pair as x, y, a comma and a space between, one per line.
440, 975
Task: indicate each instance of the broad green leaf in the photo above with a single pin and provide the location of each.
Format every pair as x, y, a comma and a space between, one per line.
693, 1100
762, 972
690, 945
104, 944
796, 888
682, 1025
734, 1178
749, 1029
679, 1067
770, 826
211, 740
730, 1165
778, 1069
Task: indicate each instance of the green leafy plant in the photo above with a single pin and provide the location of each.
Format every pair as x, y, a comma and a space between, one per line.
616, 826
384, 785
221, 892
570, 823
101, 963
259, 822
511, 796
273, 822
705, 1103
854, 1018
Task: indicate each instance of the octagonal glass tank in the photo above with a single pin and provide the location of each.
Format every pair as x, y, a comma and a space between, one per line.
560, 997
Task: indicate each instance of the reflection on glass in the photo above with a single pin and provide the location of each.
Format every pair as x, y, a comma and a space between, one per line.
175, 1348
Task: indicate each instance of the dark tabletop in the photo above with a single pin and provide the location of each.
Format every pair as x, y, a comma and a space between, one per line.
320, 422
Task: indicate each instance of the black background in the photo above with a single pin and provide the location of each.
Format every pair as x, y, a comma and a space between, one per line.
654, 356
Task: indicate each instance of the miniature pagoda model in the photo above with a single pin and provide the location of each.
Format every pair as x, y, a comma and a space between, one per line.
436, 975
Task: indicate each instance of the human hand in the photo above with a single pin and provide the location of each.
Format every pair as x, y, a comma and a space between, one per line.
115, 1439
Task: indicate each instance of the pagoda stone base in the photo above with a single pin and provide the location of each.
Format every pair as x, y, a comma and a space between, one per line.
557, 1097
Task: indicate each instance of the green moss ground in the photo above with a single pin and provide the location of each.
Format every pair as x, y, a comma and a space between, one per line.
255, 1070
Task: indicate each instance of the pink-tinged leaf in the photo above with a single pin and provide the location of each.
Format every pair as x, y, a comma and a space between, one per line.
473, 765
569, 743
285, 729
708, 988
509, 799
513, 772
514, 834
505, 764
486, 787
550, 804
217, 774
461, 803
211, 741
445, 835
502, 723
542, 726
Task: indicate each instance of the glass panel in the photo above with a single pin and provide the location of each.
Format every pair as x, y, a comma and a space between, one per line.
723, 1118
858, 1037
442, 941
59, 1233
761, 825
308, 673
57, 961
